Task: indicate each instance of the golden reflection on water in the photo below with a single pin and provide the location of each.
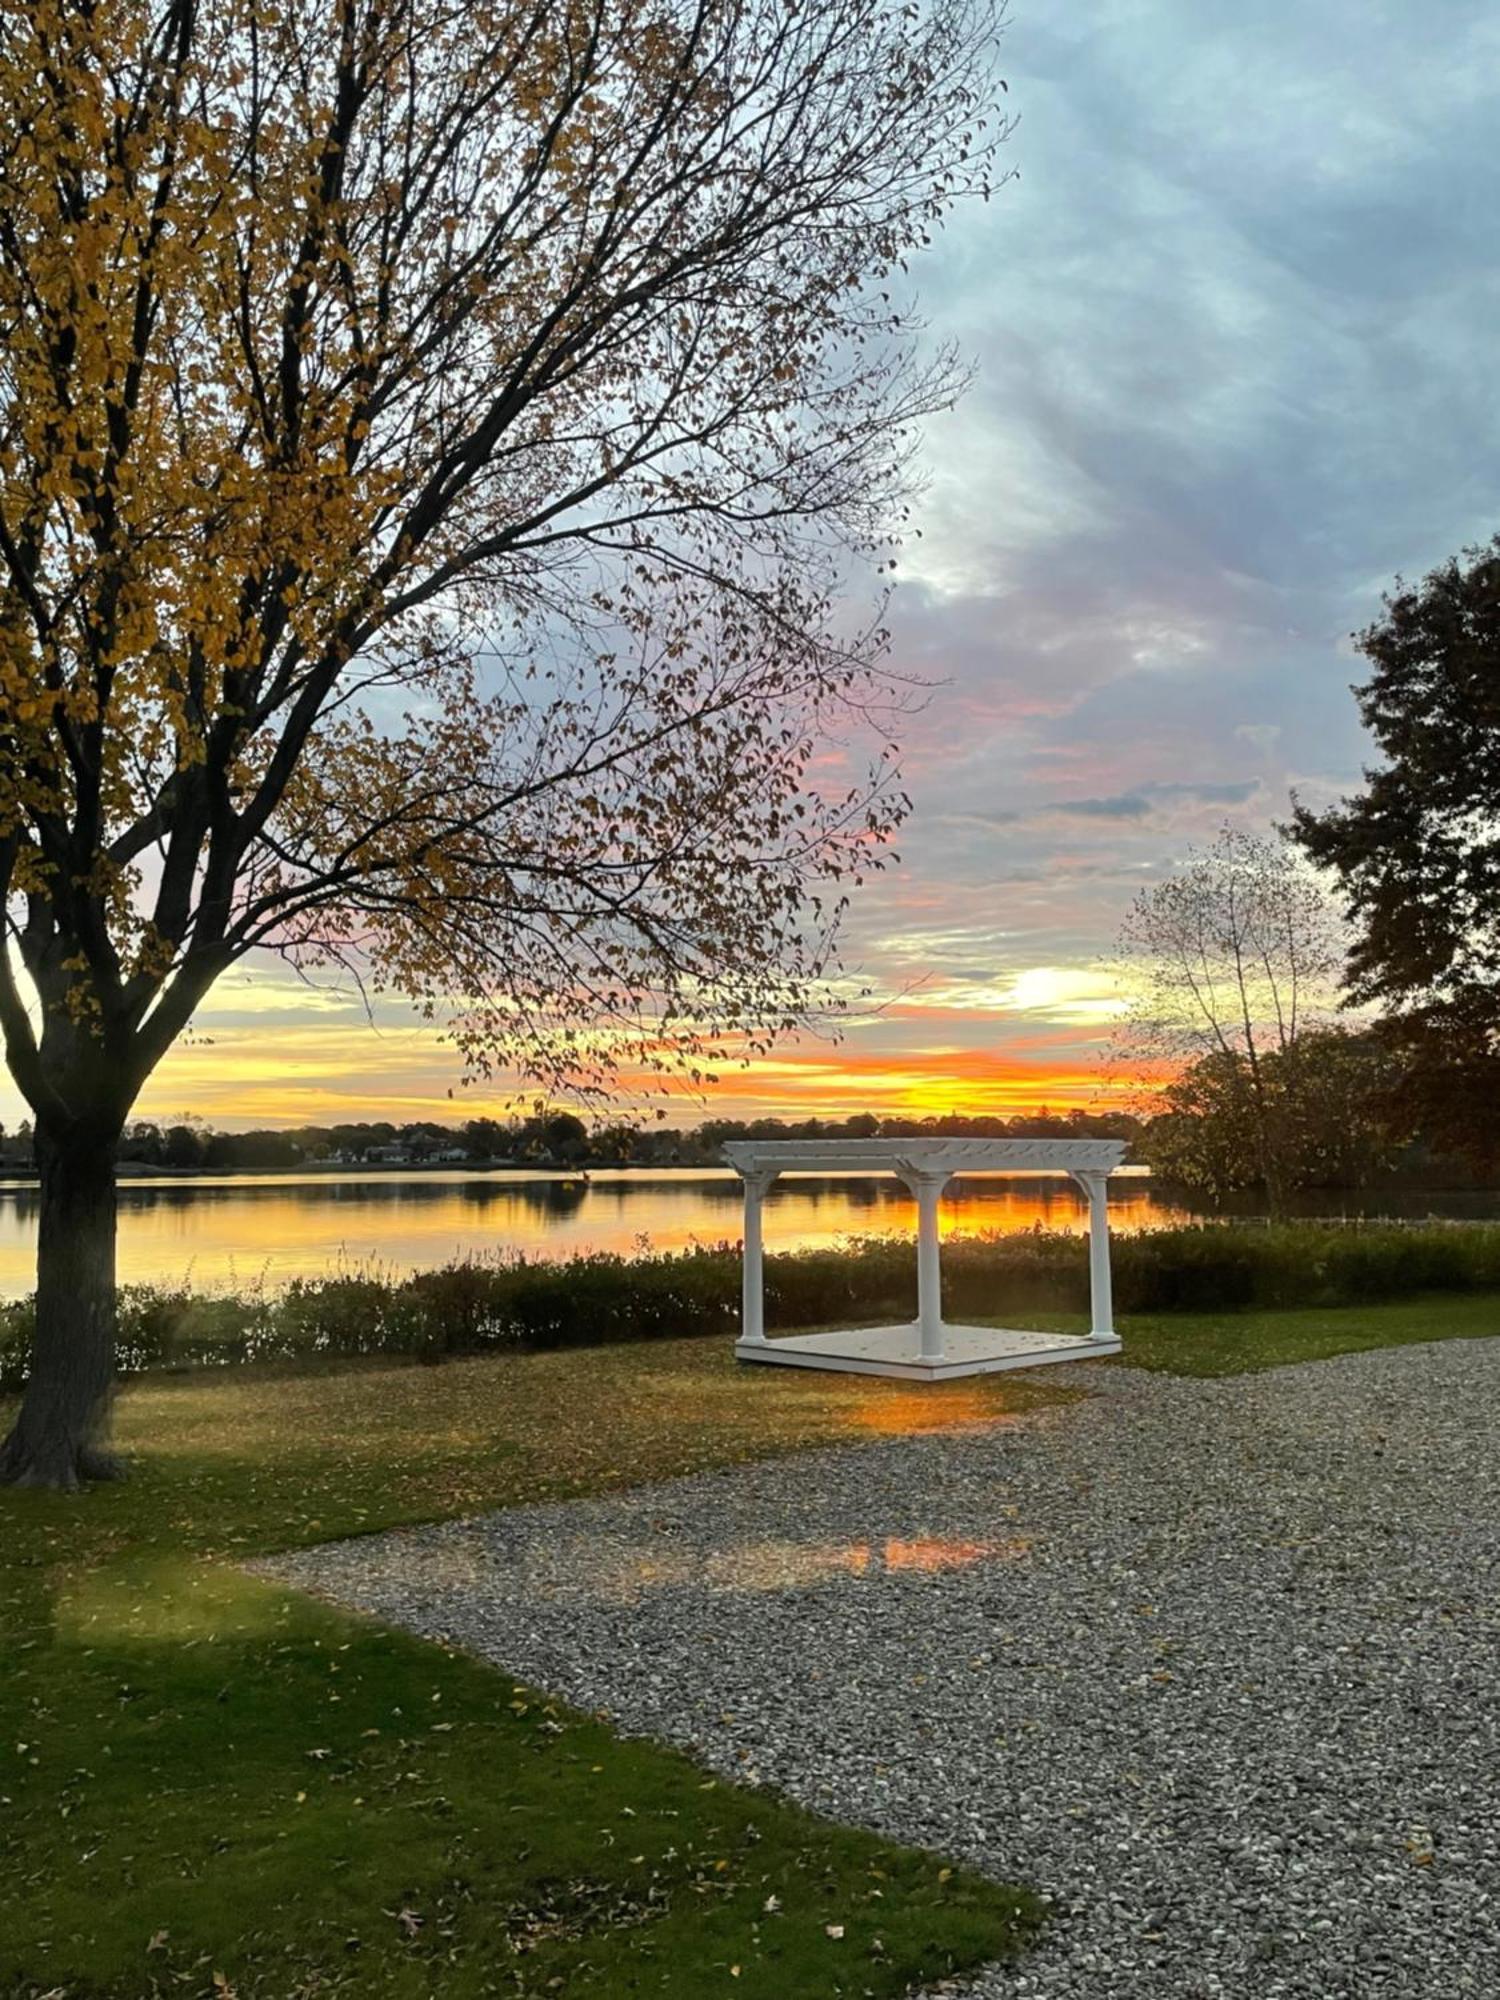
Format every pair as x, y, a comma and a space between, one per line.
775, 1565
622, 1573
240, 1229
787, 1565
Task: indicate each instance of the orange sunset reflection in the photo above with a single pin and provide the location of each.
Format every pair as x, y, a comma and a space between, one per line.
215, 1231
771, 1565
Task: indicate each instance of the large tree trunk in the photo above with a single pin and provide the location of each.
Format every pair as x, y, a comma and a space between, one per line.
60, 1436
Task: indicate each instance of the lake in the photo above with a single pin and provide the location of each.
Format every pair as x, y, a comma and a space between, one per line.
238, 1229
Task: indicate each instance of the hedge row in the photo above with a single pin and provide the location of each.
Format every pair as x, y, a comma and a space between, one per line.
476, 1307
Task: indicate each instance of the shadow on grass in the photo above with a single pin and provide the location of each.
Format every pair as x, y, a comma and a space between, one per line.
224, 1788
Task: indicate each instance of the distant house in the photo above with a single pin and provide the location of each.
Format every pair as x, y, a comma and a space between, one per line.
387, 1156
450, 1153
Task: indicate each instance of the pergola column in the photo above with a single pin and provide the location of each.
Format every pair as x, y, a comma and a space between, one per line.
1101, 1299
753, 1263
928, 1189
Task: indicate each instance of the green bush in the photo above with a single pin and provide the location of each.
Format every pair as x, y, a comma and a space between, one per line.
1300, 1264
478, 1306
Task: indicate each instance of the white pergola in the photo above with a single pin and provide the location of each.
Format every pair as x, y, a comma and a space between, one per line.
929, 1349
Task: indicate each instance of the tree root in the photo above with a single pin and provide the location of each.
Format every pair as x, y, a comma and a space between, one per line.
57, 1464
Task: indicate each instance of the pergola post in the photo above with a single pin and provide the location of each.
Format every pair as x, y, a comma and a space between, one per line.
753, 1263
928, 1189
1101, 1298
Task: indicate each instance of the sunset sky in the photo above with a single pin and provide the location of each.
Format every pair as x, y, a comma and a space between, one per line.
1234, 333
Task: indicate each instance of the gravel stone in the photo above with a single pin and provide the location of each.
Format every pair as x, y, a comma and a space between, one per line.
1213, 1665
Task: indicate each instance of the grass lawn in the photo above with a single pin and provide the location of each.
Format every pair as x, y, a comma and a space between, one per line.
210, 1785
213, 1786
1238, 1343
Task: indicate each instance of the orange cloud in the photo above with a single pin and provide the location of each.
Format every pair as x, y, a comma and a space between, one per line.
270, 1051
324, 1073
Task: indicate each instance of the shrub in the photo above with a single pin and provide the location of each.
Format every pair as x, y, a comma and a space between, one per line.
479, 1306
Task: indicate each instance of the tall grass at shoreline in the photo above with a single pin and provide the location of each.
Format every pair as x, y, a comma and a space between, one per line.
489, 1305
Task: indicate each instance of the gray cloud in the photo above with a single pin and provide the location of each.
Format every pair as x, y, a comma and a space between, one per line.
1233, 330
1137, 805
1125, 805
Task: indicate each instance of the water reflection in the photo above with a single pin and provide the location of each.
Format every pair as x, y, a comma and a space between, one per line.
797, 1565
622, 1571
228, 1229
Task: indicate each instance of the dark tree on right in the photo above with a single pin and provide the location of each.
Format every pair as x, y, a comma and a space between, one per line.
1417, 851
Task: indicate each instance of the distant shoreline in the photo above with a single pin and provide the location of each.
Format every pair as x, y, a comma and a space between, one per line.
137, 1170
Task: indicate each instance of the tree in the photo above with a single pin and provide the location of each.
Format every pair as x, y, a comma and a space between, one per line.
141, 1141
1335, 1124
1201, 1137
422, 1139
432, 441
183, 1146
234, 1150
484, 1138
616, 1143
1233, 958
1348, 1126
313, 1142
565, 1136
1417, 854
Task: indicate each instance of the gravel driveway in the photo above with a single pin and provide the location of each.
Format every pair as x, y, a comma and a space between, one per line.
1213, 1665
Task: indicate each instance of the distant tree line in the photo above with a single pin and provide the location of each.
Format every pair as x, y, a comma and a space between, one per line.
556, 1138
551, 1139
1336, 1106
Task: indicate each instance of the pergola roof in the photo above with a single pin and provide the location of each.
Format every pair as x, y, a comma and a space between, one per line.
925, 1156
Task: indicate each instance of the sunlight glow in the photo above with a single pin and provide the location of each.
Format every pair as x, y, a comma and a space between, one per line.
270, 1049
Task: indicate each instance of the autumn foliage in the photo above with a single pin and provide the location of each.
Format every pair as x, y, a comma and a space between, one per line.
433, 440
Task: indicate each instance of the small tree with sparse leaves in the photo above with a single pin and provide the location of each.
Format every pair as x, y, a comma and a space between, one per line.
1229, 963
